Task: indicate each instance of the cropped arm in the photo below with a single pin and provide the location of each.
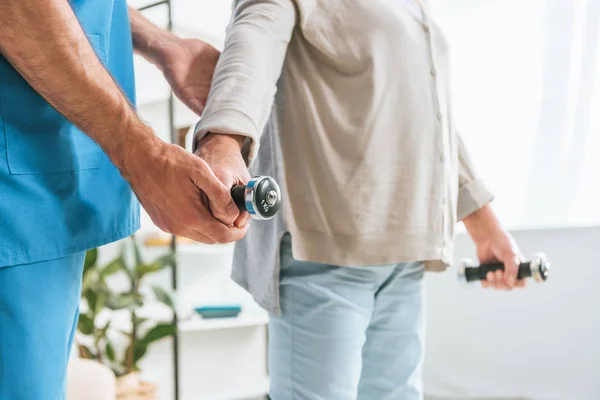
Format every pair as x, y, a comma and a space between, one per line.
472, 192
245, 79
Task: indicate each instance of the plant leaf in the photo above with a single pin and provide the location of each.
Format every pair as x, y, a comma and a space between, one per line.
110, 351
88, 280
164, 297
91, 256
158, 265
140, 320
91, 296
121, 301
100, 301
139, 350
124, 263
136, 251
102, 332
114, 266
158, 332
85, 324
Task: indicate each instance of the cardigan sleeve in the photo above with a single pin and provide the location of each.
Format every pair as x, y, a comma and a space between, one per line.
472, 192
246, 75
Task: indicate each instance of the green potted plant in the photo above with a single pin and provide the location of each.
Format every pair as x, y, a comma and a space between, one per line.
96, 332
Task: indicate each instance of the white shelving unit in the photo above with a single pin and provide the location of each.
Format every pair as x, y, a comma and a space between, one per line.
220, 358
196, 324
204, 249
199, 249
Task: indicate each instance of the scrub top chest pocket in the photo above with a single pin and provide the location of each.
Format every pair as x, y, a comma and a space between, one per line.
39, 140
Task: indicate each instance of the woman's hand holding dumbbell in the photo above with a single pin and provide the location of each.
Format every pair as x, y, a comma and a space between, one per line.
495, 245
258, 197
224, 156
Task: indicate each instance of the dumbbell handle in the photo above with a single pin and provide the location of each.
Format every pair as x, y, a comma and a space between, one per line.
538, 268
480, 273
238, 194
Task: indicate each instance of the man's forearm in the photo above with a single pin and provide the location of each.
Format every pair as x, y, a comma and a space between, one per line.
148, 39
45, 43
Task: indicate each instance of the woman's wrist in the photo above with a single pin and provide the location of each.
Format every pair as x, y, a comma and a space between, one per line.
482, 224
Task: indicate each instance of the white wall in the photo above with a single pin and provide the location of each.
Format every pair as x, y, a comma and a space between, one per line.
526, 82
540, 343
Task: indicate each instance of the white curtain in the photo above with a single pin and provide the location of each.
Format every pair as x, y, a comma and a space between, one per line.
526, 79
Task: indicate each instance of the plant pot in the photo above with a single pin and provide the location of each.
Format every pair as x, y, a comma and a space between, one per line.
131, 387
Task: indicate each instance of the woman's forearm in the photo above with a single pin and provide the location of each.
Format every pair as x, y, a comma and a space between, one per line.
244, 83
482, 223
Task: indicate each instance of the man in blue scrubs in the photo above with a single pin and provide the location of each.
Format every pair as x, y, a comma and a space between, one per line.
71, 150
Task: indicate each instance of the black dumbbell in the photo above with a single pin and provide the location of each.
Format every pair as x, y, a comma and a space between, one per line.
538, 268
261, 197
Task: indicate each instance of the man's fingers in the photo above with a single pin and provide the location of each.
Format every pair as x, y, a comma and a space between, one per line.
221, 203
198, 237
226, 234
218, 231
242, 220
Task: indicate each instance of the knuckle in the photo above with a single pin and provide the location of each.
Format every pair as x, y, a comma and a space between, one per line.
222, 193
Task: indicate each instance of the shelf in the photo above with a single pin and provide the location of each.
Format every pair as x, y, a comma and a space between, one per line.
197, 324
200, 248
259, 389
186, 247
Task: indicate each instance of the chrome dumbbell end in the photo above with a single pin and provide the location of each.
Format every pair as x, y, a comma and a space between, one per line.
540, 267
261, 197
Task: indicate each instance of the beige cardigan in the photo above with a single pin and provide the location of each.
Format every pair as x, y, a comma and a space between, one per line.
375, 170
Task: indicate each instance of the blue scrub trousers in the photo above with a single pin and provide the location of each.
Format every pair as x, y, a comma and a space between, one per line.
39, 309
347, 333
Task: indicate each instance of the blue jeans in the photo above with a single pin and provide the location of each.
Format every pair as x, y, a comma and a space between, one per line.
347, 333
39, 306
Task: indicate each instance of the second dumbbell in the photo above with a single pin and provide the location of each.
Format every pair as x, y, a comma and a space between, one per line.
538, 268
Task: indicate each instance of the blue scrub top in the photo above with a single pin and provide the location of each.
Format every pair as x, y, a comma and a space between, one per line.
59, 193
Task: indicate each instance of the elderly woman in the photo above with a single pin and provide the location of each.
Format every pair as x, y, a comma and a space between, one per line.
347, 103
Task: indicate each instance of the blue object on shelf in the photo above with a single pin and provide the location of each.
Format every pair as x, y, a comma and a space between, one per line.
218, 311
